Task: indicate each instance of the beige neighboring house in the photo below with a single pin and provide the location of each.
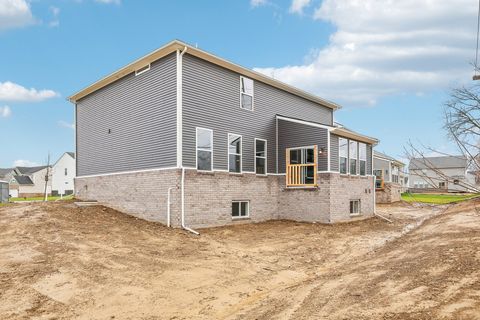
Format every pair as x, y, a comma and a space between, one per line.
440, 174
31, 181
63, 173
390, 178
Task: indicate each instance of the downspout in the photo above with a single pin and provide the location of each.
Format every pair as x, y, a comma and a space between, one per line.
179, 136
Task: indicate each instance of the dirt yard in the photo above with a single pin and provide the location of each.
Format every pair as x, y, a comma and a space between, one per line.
58, 261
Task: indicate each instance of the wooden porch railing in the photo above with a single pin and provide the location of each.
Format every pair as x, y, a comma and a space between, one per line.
297, 174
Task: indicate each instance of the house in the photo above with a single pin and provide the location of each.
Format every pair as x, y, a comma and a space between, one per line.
443, 173
4, 194
63, 172
191, 140
390, 178
30, 181
7, 175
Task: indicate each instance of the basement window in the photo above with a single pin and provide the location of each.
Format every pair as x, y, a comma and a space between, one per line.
246, 93
142, 70
354, 207
240, 209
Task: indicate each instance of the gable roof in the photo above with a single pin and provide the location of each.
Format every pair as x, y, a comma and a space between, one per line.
443, 162
30, 170
342, 131
383, 156
179, 45
23, 180
71, 154
5, 171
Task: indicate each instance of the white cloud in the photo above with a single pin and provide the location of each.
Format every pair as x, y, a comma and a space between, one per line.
5, 112
109, 1
15, 14
387, 48
298, 6
25, 163
55, 20
66, 124
10, 91
258, 3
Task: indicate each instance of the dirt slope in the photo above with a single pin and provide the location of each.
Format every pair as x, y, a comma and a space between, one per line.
60, 261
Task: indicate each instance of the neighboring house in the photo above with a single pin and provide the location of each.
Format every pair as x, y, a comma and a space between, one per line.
7, 174
183, 131
31, 181
445, 173
63, 173
390, 178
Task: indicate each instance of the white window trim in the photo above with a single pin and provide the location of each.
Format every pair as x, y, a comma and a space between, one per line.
360, 159
203, 149
358, 207
142, 70
350, 158
241, 152
252, 95
340, 157
255, 156
240, 209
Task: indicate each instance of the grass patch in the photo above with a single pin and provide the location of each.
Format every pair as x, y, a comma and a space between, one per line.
50, 198
437, 198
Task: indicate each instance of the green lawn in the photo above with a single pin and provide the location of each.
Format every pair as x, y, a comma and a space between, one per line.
50, 198
437, 198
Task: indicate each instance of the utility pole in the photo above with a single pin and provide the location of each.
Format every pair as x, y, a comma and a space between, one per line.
46, 178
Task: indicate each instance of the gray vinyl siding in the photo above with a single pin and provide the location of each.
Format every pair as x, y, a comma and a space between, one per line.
334, 160
211, 99
140, 111
292, 134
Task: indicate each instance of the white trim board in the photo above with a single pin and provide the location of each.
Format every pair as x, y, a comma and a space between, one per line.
312, 124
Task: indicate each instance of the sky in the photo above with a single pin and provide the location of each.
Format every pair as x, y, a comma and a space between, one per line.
390, 64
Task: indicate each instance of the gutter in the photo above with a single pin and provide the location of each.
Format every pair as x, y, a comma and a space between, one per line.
179, 136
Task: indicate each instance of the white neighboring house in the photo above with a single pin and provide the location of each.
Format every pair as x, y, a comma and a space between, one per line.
63, 173
424, 174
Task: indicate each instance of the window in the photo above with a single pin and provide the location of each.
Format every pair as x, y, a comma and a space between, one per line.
353, 153
204, 149
343, 153
395, 174
301, 166
142, 70
240, 209
456, 181
66, 172
354, 207
260, 156
379, 183
234, 153
362, 151
246, 93
441, 185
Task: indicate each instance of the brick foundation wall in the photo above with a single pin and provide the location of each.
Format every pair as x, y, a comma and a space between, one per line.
345, 188
390, 193
141, 194
209, 196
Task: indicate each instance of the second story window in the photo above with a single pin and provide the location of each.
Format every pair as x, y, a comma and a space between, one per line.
234, 153
353, 154
246, 93
204, 149
343, 152
362, 150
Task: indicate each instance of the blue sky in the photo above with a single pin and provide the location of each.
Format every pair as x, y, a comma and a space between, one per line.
389, 64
